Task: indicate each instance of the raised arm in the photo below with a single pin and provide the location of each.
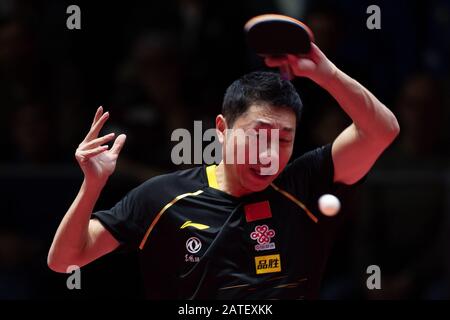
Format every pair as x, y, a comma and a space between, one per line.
374, 126
80, 240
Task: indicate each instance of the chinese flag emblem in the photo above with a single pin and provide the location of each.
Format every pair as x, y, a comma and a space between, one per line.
257, 211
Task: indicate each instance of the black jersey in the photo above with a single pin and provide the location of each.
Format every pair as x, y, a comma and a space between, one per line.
196, 241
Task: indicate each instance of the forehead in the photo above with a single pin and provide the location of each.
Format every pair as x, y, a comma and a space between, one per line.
267, 115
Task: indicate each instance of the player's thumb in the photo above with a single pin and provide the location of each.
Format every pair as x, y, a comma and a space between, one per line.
118, 144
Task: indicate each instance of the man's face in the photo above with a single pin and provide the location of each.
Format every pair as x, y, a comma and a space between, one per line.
258, 146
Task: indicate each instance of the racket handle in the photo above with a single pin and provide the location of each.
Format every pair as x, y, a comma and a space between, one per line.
285, 72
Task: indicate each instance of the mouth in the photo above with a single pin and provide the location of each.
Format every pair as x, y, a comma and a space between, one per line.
257, 173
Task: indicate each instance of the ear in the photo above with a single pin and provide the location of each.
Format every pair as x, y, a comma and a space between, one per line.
221, 127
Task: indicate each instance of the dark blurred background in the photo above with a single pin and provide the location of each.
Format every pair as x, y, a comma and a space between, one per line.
160, 65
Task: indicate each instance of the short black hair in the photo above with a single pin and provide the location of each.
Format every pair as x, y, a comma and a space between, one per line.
259, 87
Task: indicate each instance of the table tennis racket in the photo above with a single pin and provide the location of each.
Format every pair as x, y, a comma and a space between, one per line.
278, 35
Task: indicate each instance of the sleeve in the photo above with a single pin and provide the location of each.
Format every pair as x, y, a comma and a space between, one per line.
129, 219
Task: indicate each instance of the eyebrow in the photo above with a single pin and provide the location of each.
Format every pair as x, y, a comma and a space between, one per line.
266, 123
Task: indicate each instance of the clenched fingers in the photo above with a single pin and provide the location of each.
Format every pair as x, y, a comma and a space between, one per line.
275, 61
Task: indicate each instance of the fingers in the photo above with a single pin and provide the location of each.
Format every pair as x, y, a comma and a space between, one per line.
98, 114
300, 65
294, 61
118, 144
275, 61
289, 58
93, 133
97, 142
84, 155
304, 65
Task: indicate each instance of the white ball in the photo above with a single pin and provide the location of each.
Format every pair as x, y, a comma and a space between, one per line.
329, 205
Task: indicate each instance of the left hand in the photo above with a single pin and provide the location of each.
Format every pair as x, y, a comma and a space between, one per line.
313, 65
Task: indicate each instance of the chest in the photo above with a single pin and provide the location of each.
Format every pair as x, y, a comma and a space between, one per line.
237, 245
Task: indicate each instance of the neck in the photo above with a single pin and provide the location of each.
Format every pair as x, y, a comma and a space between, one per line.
228, 182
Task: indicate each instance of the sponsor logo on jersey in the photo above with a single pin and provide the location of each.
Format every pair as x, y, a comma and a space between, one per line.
193, 245
268, 264
263, 235
191, 258
257, 211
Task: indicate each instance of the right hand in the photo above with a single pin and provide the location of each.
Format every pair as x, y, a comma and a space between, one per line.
313, 65
93, 156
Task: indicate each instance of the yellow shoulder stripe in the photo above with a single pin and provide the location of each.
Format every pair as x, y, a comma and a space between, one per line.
211, 175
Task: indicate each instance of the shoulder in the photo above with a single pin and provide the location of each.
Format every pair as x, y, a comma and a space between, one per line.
172, 184
314, 157
316, 161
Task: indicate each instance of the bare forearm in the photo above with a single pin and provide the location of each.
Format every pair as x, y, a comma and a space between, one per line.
72, 233
369, 115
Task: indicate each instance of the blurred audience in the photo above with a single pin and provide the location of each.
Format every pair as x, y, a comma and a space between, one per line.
149, 104
32, 136
403, 225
